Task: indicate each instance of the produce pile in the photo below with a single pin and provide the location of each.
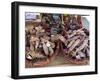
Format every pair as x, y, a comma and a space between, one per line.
48, 34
